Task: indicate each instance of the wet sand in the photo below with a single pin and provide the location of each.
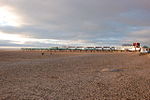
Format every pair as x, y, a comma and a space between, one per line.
62, 76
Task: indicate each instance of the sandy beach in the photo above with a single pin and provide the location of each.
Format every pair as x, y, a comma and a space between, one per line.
77, 76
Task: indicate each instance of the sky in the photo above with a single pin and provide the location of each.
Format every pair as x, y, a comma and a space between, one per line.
46, 23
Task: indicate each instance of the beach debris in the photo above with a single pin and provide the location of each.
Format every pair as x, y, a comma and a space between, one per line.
116, 70
42, 53
105, 70
111, 70
54, 77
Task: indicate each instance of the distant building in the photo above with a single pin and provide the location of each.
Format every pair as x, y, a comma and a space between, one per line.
137, 45
80, 48
126, 48
90, 48
145, 50
71, 48
129, 47
98, 48
106, 48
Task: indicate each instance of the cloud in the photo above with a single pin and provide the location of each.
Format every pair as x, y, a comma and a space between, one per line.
93, 22
142, 35
22, 40
9, 18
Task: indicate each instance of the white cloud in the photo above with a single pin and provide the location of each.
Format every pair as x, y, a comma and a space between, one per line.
9, 18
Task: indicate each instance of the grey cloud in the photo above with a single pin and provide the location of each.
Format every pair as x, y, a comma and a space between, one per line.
91, 20
9, 44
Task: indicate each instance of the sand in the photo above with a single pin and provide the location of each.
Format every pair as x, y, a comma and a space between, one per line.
62, 76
